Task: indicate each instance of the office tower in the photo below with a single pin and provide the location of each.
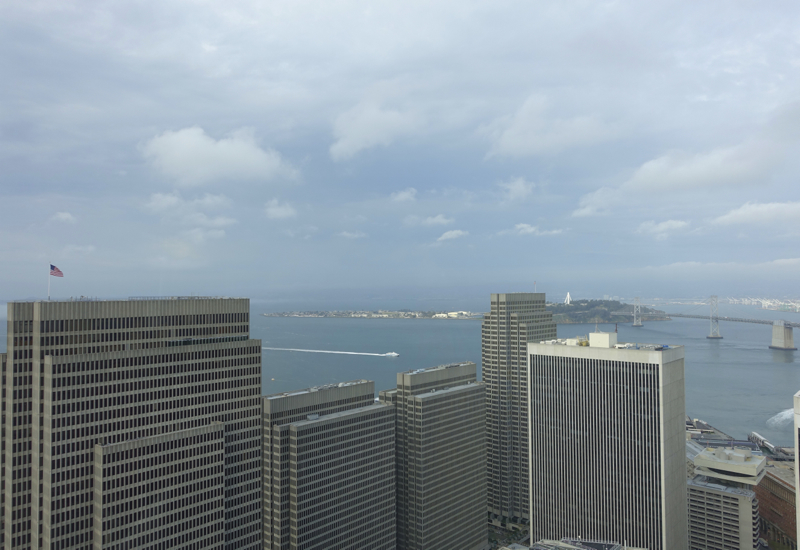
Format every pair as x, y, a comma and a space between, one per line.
329, 469
441, 458
723, 508
608, 452
104, 398
514, 320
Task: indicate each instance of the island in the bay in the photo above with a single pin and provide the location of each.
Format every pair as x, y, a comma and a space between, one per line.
579, 311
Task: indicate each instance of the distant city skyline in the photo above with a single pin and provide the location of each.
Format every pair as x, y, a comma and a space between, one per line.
295, 149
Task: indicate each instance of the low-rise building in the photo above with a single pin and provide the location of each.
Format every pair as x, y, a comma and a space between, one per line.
723, 508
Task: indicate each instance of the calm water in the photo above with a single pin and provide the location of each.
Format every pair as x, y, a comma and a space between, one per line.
737, 384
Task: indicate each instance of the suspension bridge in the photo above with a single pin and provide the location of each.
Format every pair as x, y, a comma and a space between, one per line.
782, 331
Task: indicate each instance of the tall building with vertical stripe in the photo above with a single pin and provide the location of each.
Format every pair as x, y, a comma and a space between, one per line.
514, 320
607, 433
441, 458
132, 423
329, 469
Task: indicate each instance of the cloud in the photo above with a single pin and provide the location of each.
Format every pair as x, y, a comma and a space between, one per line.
716, 168
516, 190
302, 233
761, 213
279, 211
78, 250
681, 171
406, 195
452, 234
532, 131
526, 229
662, 230
173, 207
367, 125
65, 217
439, 219
352, 234
190, 157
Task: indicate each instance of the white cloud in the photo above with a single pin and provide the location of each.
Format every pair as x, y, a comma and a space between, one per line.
761, 213
527, 229
80, 250
279, 211
367, 125
406, 195
302, 233
352, 234
680, 171
65, 217
172, 206
516, 190
533, 131
718, 167
452, 234
662, 230
190, 157
203, 220
439, 219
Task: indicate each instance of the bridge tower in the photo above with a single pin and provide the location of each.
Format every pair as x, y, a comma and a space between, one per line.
782, 337
714, 334
637, 312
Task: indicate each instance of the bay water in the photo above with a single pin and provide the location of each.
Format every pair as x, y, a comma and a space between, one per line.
737, 384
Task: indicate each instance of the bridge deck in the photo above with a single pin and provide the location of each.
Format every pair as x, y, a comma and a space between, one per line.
733, 319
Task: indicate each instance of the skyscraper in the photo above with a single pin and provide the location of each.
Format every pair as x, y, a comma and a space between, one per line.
608, 453
132, 423
514, 320
441, 458
329, 469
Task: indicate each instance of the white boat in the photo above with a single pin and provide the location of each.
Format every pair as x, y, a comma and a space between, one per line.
391, 354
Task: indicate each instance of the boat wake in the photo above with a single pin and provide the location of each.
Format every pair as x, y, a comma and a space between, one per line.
781, 419
390, 354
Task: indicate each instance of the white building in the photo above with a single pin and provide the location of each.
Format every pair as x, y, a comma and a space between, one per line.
723, 508
607, 444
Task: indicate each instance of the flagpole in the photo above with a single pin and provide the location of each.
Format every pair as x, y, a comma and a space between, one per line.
48, 284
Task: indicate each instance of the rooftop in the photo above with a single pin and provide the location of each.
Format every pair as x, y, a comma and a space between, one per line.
706, 483
133, 299
439, 367
317, 388
730, 464
605, 340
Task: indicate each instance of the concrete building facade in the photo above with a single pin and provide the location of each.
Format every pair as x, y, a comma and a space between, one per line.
723, 508
87, 374
607, 440
513, 320
329, 469
167, 490
441, 458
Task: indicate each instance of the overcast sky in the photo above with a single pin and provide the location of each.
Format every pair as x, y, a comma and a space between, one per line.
284, 149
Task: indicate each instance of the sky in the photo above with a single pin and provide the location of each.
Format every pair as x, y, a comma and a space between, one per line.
380, 153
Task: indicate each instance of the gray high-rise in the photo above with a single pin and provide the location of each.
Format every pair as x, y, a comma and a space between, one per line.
514, 320
607, 432
329, 469
131, 423
441, 458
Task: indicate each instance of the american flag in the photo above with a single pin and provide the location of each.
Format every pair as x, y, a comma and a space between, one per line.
55, 272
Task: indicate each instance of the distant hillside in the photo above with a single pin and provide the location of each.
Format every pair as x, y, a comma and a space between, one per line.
598, 311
